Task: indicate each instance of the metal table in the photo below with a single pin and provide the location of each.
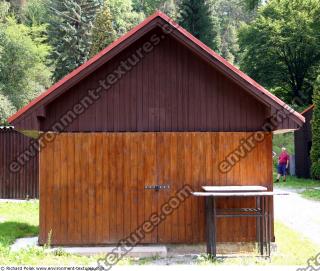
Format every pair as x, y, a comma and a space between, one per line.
260, 211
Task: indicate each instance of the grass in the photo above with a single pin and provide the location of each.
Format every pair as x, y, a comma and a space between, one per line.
297, 183
305, 187
311, 193
292, 249
21, 220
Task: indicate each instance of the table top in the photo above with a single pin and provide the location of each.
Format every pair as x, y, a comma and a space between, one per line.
230, 188
237, 194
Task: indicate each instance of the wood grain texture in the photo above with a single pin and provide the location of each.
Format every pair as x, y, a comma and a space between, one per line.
92, 185
23, 183
171, 89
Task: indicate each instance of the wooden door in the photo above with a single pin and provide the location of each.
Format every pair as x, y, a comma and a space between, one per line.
92, 185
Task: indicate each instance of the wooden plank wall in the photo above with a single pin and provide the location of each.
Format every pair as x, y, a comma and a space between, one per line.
92, 185
170, 90
25, 182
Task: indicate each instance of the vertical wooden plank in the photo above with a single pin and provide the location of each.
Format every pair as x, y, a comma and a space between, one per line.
126, 184
99, 225
202, 176
48, 197
64, 220
174, 180
119, 156
196, 160
149, 174
70, 164
112, 191
188, 174
43, 188
133, 186
84, 167
142, 181
106, 192
160, 150
181, 165
78, 153
92, 199
56, 232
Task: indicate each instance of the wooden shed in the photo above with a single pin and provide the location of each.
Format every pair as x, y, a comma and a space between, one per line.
19, 177
303, 144
155, 108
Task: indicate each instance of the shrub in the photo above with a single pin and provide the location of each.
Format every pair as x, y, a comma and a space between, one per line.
315, 150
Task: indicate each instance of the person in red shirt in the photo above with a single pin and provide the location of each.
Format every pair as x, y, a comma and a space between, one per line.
283, 164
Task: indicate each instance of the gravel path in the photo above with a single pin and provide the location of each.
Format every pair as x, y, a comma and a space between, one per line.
300, 214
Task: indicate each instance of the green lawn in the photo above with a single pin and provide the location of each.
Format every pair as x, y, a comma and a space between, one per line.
292, 249
297, 183
305, 187
311, 193
21, 219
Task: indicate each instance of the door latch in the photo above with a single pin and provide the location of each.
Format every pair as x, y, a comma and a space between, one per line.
157, 187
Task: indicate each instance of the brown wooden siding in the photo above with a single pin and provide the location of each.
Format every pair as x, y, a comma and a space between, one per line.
92, 185
171, 89
24, 183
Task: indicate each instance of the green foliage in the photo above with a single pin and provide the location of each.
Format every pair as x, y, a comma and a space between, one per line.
200, 19
231, 15
148, 7
34, 12
315, 150
6, 108
4, 10
281, 48
23, 70
252, 4
115, 19
103, 33
283, 140
124, 17
70, 24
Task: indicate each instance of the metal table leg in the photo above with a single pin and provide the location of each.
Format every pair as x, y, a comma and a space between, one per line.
258, 226
211, 246
214, 227
269, 226
261, 225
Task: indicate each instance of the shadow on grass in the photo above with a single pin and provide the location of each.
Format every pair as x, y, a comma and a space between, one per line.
11, 230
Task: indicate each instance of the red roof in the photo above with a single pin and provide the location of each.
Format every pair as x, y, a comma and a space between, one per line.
258, 89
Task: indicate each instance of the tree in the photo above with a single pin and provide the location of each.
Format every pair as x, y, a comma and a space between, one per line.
70, 25
103, 33
231, 15
150, 6
115, 19
199, 18
6, 108
34, 12
315, 150
23, 70
124, 17
281, 48
253, 4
